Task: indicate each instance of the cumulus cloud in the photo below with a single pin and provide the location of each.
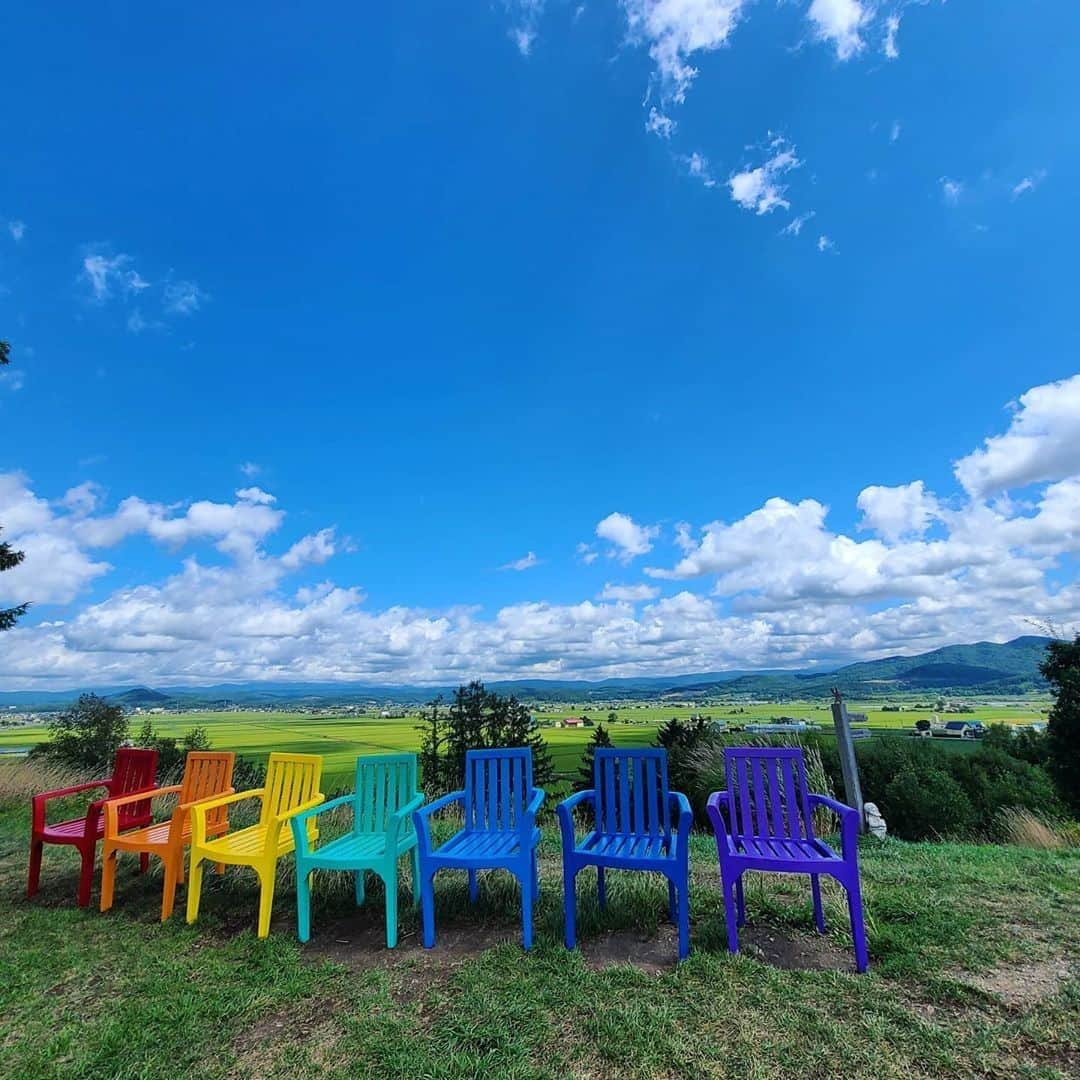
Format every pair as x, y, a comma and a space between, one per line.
629, 539
825, 243
698, 167
838, 22
759, 188
1042, 443
896, 512
630, 594
675, 30
657, 123
526, 562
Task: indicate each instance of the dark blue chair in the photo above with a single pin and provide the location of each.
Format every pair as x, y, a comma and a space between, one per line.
632, 829
500, 806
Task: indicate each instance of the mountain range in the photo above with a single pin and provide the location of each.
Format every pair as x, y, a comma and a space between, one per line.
982, 668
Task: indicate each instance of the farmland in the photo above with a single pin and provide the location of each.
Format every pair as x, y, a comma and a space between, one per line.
340, 737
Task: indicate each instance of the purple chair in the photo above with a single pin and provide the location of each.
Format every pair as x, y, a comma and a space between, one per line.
769, 828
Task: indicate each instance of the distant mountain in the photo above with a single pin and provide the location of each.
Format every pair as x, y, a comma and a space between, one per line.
984, 667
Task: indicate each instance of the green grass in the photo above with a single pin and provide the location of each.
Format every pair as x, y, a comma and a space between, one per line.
119, 995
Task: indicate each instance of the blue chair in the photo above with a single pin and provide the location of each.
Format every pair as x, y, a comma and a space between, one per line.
381, 833
632, 830
500, 806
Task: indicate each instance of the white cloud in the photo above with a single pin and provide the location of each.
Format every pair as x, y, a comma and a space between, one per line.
659, 124
698, 167
759, 189
111, 275
630, 594
12, 379
629, 538
1029, 183
674, 31
526, 14
894, 132
892, 27
782, 588
183, 297
839, 22
795, 225
951, 190
586, 553
255, 495
526, 562
250, 469
825, 244
17, 229
1042, 443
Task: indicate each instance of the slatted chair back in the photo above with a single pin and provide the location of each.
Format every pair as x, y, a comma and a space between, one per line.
208, 773
632, 792
497, 788
134, 769
766, 788
291, 779
384, 784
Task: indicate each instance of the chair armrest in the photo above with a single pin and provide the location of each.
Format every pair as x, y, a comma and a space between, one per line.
199, 810
536, 800
37, 802
565, 811
715, 808
112, 806
420, 818
849, 822
299, 819
400, 816
184, 809
686, 818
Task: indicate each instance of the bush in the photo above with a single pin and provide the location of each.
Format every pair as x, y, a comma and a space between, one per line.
1024, 744
919, 804
1061, 670
86, 736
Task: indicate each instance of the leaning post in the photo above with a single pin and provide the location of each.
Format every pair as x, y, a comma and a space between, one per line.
848, 765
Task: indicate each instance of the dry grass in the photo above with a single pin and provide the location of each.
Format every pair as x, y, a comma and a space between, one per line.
1026, 828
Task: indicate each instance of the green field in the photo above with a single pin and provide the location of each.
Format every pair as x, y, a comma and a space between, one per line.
341, 738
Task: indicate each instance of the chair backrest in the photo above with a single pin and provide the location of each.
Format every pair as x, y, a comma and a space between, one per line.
767, 792
632, 792
497, 788
208, 773
134, 769
384, 784
291, 779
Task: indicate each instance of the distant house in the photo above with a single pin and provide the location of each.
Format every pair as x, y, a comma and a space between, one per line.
574, 721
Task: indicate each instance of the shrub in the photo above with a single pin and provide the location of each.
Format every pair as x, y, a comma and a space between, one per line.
1062, 670
1024, 744
924, 803
86, 736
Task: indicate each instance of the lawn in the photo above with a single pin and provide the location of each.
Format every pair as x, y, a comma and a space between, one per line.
971, 953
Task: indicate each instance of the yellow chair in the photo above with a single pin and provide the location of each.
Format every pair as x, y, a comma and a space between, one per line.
207, 776
292, 786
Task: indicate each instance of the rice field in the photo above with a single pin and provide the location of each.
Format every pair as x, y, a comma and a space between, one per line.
340, 738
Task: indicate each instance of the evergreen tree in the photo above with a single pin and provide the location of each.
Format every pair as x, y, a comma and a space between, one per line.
585, 777
433, 748
1061, 669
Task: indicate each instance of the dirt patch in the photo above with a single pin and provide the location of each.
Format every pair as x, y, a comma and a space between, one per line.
792, 951
1024, 984
654, 955
312, 1025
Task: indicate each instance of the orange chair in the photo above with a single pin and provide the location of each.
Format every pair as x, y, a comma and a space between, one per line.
206, 776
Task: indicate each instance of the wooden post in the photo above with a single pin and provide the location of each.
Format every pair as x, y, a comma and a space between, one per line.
848, 765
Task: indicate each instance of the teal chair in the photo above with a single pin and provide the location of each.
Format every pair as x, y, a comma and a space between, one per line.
382, 832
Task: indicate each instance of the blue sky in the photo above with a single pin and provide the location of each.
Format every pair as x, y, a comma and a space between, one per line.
440, 286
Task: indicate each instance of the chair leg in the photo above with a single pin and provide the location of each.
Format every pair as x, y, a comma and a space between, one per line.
601, 887
34, 874
427, 907
526, 878
858, 930
390, 881
303, 904
415, 876
108, 878
819, 913
194, 892
86, 877
144, 861
730, 914
474, 888
181, 875
684, 917
569, 905
740, 902
672, 901
359, 887
536, 875
174, 869
266, 898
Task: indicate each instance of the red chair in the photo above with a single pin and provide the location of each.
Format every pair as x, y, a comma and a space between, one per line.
134, 771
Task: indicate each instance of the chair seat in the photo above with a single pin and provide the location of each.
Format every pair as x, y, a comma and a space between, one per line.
349, 850
473, 845
70, 832
623, 847
782, 849
246, 845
